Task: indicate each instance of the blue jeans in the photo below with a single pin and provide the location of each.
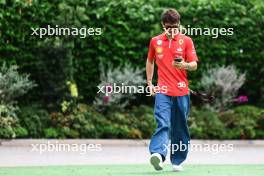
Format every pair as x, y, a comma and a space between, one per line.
171, 114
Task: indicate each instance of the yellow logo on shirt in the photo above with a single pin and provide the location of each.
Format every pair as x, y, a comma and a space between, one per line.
159, 50
180, 41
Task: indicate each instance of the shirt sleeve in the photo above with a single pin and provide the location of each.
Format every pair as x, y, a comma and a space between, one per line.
190, 51
151, 51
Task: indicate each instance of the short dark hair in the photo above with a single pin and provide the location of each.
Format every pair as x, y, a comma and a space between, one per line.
170, 16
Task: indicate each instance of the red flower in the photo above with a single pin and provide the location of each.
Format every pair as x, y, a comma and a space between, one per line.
106, 99
241, 99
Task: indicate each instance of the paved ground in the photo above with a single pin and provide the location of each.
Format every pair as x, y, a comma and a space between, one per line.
27, 152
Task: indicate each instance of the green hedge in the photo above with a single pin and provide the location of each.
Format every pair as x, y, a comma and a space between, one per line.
85, 122
242, 122
127, 28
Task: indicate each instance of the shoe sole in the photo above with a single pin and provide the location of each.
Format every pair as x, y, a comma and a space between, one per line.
155, 162
177, 170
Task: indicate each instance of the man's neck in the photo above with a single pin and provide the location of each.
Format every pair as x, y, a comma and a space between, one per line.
169, 36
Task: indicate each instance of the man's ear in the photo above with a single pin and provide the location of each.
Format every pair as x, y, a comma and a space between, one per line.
162, 24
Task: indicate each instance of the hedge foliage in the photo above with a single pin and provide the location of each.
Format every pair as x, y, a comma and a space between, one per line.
241, 122
127, 27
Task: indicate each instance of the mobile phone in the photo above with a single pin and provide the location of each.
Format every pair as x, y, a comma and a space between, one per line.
178, 59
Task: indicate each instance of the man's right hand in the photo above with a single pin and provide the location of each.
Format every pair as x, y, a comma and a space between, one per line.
151, 88
149, 72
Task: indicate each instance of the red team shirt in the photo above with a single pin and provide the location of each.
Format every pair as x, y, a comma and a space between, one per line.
163, 51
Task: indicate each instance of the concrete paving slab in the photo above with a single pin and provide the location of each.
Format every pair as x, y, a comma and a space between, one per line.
90, 152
